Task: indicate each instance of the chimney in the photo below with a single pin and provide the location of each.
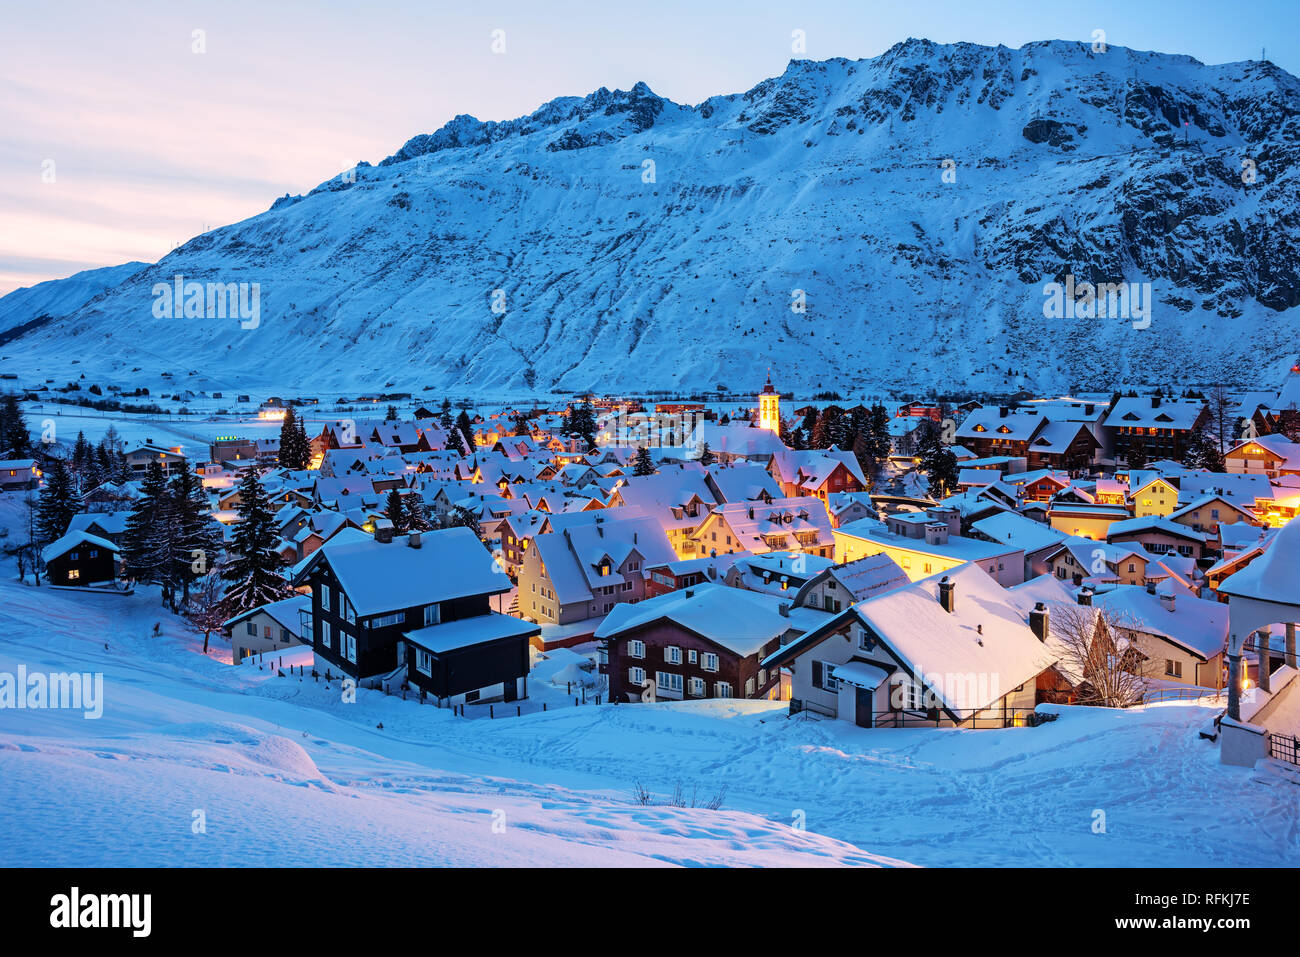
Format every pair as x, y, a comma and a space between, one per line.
690, 593
947, 594
1085, 596
1155, 402
1151, 587
384, 533
1002, 411
1038, 621
784, 609
413, 540
1167, 600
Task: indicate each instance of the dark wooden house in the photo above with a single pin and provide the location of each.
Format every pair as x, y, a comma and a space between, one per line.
421, 601
79, 559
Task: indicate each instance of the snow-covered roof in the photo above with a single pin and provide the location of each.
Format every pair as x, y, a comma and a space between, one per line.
986, 634
871, 575
1196, 624
382, 577
1153, 523
1146, 412
1018, 531
1273, 576
860, 674
70, 541
466, 632
285, 612
738, 620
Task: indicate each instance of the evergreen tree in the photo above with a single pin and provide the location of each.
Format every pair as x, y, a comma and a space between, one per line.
395, 511
466, 429
83, 455
253, 566
706, 455
142, 547
878, 432
943, 474
295, 447
391, 415
642, 464
445, 419
194, 541
15, 439
866, 457
461, 517
1203, 453
417, 514
830, 429
456, 441
581, 423
57, 503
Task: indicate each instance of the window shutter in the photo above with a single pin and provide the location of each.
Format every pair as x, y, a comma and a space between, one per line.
817, 674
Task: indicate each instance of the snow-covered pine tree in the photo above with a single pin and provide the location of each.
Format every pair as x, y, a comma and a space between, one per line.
196, 541
83, 457
395, 511
15, 439
466, 429
142, 548
456, 440
252, 568
57, 503
417, 515
642, 464
294, 452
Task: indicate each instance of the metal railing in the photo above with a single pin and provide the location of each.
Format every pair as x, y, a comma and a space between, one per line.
1284, 747
1180, 694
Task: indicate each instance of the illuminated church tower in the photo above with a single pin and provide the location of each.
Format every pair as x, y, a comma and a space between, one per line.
769, 407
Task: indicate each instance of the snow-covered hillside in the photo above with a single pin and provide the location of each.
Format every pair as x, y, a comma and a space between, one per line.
283, 772
641, 243
46, 301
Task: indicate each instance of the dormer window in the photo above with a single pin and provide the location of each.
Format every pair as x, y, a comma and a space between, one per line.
604, 568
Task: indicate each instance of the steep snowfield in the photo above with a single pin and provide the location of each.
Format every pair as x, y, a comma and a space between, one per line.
827, 179
285, 773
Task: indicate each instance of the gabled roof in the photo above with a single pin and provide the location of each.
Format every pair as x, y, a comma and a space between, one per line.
384, 577
738, 620
284, 612
1273, 576
986, 633
1196, 624
71, 540
1139, 412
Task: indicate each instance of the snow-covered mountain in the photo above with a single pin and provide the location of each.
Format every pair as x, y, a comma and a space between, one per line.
636, 242
26, 308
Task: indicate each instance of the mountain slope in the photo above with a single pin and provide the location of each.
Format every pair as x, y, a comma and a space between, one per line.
55, 298
641, 243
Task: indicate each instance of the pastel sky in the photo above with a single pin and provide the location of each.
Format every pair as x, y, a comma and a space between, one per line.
118, 141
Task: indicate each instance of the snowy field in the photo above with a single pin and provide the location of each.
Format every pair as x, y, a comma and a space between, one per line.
283, 772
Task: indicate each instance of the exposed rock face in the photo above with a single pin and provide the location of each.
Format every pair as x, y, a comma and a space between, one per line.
919, 201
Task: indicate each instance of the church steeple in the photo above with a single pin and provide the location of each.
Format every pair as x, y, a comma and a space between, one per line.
769, 407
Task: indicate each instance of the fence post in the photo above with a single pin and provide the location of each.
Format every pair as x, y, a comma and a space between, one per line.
491, 713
